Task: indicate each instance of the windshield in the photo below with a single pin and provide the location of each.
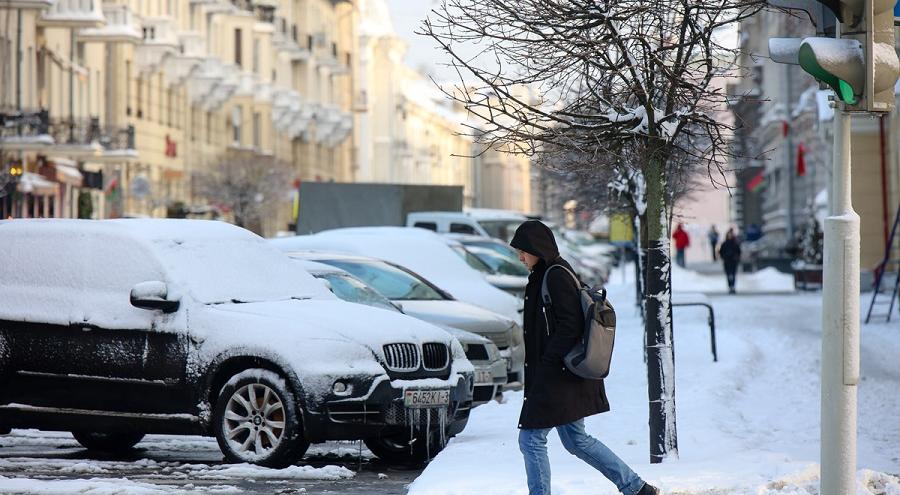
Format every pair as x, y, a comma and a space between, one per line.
390, 281
498, 262
352, 290
472, 260
501, 229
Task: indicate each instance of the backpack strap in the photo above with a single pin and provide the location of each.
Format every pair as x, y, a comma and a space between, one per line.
545, 293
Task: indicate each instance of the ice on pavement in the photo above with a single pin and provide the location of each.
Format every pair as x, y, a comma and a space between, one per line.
747, 425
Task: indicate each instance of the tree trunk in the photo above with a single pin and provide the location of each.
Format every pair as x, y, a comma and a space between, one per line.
658, 315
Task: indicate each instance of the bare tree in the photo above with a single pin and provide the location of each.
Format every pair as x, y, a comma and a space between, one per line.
620, 82
252, 188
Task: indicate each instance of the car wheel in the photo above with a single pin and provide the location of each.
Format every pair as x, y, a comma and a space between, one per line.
401, 448
107, 442
256, 420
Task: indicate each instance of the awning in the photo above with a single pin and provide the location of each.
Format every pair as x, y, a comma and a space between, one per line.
32, 183
68, 174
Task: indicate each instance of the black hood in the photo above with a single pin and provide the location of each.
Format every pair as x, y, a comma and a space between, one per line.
536, 238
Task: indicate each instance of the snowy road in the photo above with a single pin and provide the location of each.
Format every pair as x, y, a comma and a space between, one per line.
50, 463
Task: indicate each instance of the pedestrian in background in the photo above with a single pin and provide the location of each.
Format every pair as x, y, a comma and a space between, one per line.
682, 241
554, 396
713, 236
730, 252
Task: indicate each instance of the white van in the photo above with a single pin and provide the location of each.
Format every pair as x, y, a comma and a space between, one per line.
500, 224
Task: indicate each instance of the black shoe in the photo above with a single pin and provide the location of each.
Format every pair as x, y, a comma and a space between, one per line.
648, 489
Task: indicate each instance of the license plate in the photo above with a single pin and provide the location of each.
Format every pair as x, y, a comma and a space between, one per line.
426, 398
483, 376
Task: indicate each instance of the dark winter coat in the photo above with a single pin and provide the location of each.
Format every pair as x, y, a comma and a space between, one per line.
730, 251
554, 396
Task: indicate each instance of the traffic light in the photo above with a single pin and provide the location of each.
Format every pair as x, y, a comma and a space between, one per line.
860, 64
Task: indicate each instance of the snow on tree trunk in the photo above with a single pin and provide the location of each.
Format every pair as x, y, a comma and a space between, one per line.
658, 316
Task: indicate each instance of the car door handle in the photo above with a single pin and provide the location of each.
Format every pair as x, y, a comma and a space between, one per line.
86, 329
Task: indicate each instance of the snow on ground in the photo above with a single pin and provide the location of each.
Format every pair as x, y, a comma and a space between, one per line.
97, 486
747, 425
767, 280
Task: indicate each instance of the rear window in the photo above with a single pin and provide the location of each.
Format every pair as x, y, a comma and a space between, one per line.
426, 225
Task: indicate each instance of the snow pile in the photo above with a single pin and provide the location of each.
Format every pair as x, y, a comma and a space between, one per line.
241, 471
747, 425
765, 280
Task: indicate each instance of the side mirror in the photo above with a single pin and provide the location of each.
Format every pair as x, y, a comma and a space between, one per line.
153, 295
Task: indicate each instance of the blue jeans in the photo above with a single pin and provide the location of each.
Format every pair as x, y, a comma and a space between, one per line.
533, 444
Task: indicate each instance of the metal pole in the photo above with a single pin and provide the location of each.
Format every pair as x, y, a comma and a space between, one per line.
789, 142
840, 325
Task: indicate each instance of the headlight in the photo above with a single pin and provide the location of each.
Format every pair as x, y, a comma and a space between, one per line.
493, 351
517, 337
341, 387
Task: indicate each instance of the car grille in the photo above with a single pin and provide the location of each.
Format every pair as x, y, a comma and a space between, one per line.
402, 357
435, 356
476, 352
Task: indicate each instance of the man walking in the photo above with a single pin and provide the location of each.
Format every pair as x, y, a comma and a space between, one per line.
554, 396
731, 258
713, 236
682, 241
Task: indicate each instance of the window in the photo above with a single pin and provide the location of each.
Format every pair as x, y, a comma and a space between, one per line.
237, 47
127, 87
256, 55
209, 124
462, 228
236, 119
426, 225
352, 290
391, 281
140, 95
257, 138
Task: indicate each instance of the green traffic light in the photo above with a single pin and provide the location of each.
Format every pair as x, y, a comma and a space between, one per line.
810, 64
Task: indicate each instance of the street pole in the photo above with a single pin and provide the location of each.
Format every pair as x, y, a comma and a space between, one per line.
840, 325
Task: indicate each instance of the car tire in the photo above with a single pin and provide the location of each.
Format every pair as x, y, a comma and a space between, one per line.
397, 448
256, 420
107, 442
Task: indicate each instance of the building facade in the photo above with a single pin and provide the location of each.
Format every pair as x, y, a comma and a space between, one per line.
141, 98
784, 138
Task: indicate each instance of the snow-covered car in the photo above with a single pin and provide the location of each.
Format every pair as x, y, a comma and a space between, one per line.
424, 252
418, 297
513, 284
113, 329
490, 367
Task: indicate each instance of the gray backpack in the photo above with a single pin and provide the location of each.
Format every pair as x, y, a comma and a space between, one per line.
591, 356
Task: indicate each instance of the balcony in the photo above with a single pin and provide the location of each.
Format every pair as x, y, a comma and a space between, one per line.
285, 103
286, 39
86, 138
327, 119
28, 4
208, 74
121, 27
25, 131
160, 41
225, 88
73, 14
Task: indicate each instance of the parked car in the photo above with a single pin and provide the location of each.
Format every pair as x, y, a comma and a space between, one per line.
113, 329
513, 285
418, 297
501, 224
419, 250
490, 367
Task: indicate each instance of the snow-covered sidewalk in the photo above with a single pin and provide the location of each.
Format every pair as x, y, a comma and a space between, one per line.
747, 425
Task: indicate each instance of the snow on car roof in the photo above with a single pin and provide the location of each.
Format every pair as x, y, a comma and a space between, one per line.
419, 250
214, 261
494, 214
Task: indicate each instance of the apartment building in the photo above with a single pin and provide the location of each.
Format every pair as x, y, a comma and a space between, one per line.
131, 102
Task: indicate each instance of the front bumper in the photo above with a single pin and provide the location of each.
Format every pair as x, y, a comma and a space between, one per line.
382, 410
